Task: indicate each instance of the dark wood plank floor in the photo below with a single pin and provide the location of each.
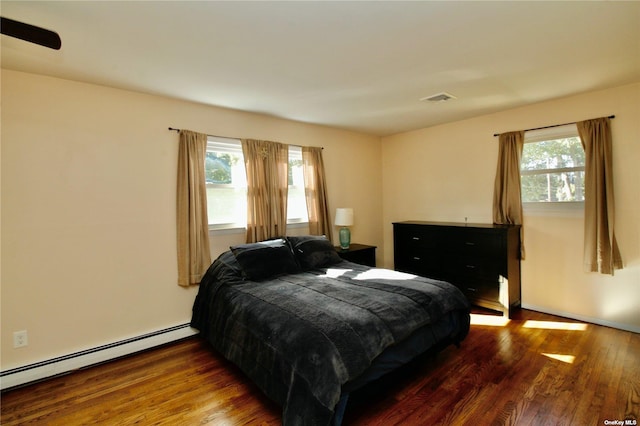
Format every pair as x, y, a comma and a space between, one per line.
535, 370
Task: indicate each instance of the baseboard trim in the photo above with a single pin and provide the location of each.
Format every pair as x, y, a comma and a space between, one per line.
64, 364
570, 315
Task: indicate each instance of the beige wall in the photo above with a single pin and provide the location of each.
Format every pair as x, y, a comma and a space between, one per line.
446, 173
88, 207
88, 215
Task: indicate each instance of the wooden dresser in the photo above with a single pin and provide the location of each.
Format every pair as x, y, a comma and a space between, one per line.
483, 260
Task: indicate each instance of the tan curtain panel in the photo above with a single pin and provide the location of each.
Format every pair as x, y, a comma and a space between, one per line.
507, 198
601, 253
192, 222
315, 188
267, 165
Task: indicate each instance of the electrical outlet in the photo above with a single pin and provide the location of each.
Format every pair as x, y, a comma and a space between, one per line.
20, 339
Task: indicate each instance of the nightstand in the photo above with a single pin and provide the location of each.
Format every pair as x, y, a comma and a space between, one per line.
359, 253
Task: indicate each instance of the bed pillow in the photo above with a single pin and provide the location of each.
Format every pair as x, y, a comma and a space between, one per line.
313, 251
266, 259
230, 261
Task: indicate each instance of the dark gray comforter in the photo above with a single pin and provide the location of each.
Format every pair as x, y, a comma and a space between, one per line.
301, 337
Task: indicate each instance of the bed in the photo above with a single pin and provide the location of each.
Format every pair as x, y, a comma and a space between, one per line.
310, 328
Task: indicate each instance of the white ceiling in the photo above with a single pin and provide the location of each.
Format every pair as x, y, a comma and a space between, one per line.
356, 65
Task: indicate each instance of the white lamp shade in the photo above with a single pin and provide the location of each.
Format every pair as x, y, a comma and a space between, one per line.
344, 217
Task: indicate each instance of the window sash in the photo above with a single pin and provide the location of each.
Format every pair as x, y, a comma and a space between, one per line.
557, 132
552, 171
543, 135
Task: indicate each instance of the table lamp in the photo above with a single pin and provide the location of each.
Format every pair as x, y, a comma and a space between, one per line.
344, 218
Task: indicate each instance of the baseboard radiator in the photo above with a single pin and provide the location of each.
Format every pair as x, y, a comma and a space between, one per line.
67, 363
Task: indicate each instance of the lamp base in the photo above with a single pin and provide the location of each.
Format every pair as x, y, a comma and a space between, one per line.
345, 238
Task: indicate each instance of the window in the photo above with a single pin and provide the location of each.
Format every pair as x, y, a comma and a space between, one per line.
296, 200
552, 169
227, 185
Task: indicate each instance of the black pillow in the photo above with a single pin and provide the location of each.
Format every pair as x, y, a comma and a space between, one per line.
313, 251
266, 259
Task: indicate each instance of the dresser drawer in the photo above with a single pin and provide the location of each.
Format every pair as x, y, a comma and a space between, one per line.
417, 251
473, 242
421, 263
475, 277
481, 290
416, 259
474, 267
416, 238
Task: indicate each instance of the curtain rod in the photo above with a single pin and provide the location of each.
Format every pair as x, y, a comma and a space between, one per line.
213, 136
549, 127
225, 137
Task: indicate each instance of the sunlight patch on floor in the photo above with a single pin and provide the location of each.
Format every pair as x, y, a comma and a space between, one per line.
490, 320
560, 357
555, 325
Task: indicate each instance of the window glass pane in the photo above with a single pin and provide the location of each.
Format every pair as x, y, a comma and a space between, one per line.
296, 202
553, 154
553, 187
227, 205
226, 183
552, 168
297, 205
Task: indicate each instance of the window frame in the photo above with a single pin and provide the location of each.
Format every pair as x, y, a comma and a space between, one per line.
552, 208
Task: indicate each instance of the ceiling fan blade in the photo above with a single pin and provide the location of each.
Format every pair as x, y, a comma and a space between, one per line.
30, 33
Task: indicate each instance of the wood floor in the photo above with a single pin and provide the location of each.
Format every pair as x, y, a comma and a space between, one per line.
535, 370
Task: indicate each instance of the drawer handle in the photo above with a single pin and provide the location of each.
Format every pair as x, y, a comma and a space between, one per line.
416, 258
471, 289
471, 266
469, 243
415, 238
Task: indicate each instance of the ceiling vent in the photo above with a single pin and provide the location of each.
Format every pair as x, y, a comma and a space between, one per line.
440, 97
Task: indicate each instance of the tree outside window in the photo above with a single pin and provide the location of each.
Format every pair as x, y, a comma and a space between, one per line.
553, 171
